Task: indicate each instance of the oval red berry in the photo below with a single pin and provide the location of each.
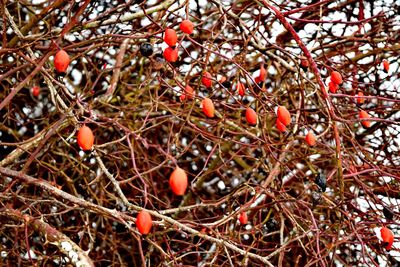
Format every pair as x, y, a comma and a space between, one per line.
85, 138
240, 89
385, 65
284, 115
208, 107
251, 116
186, 26
170, 37
144, 222
61, 61
36, 91
387, 237
206, 79
178, 181
361, 99
171, 54
243, 218
310, 139
336, 77
364, 115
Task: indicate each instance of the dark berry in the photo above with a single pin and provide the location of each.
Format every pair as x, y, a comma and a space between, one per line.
226, 84
320, 180
272, 225
146, 49
388, 213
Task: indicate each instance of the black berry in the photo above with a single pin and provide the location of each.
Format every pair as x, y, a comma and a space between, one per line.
272, 225
226, 84
388, 213
146, 49
320, 180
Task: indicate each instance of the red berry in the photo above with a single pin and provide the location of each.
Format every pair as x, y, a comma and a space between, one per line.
240, 88
365, 115
387, 237
333, 87
360, 100
206, 79
284, 115
85, 138
182, 97
263, 74
189, 92
178, 181
310, 139
257, 80
281, 127
304, 64
336, 77
251, 116
208, 107
170, 37
35, 91
243, 219
144, 222
385, 65
186, 26
171, 54
61, 61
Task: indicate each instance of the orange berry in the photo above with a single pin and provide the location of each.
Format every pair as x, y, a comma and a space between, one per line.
243, 219
186, 26
310, 139
189, 92
206, 79
360, 100
85, 138
170, 37
336, 77
251, 116
263, 74
387, 237
284, 115
178, 181
281, 127
240, 88
333, 87
61, 61
35, 91
385, 65
208, 107
365, 115
144, 222
171, 54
